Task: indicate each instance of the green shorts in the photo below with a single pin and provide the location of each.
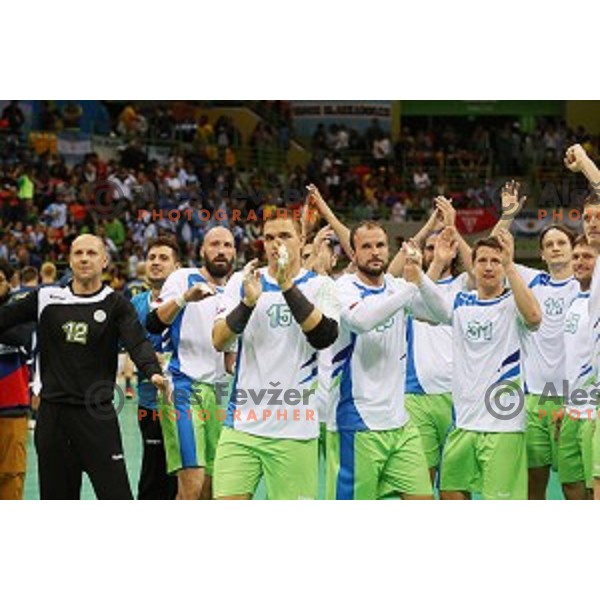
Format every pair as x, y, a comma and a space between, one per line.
367, 465
290, 467
596, 450
494, 464
542, 430
191, 426
432, 414
575, 462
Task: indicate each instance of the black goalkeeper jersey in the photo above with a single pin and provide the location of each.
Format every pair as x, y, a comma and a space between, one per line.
78, 341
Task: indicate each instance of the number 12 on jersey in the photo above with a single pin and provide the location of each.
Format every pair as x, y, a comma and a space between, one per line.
76, 332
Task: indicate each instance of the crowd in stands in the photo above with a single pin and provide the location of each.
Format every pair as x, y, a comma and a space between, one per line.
45, 202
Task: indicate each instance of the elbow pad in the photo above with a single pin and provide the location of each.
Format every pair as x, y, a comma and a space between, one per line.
154, 324
324, 334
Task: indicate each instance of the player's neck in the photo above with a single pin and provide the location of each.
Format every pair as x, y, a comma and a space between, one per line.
445, 275
155, 293
489, 293
294, 271
220, 281
372, 280
585, 284
561, 272
86, 288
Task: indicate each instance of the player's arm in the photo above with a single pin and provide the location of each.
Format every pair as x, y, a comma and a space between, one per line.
396, 267
319, 329
323, 238
16, 319
511, 206
362, 316
463, 249
132, 335
429, 305
526, 302
577, 160
341, 231
162, 316
235, 314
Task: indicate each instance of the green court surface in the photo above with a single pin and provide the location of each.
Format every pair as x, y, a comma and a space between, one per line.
133, 456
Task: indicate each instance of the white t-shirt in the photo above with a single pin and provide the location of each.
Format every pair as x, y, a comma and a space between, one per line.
273, 391
543, 350
369, 368
487, 337
190, 334
579, 343
429, 347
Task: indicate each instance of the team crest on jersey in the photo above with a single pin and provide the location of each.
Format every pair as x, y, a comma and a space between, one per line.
99, 316
478, 331
554, 306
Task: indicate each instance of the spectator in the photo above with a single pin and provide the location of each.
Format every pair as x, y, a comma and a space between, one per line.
13, 116
48, 273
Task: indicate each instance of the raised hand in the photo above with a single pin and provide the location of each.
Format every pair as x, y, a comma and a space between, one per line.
199, 291
575, 157
251, 283
508, 247
511, 203
446, 246
447, 212
412, 272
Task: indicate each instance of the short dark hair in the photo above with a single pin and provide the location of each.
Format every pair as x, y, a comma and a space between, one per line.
558, 226
29, 273
592, 198
489, 242
6, 269
581, 240
283, 213
165, 240
368, 224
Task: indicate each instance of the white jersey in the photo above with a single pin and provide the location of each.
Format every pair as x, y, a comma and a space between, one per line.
369, 368
190, 334
273, 391
324, 379
429, 347
543, 350
579, 342
487, 337
594, 311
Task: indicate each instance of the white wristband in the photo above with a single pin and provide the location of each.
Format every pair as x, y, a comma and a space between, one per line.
181, 301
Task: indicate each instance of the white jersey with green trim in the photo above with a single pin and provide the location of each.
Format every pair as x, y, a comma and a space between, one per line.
273, 390
579, 345
190, 334
369, 361
543, 351
429, 347
487, 337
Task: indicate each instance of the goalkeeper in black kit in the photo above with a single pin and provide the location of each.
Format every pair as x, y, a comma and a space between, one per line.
79, 329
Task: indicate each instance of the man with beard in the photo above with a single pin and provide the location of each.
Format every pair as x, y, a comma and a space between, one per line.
374, 449
187, 305
154, 484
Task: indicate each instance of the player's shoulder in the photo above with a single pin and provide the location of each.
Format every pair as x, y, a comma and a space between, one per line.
313, 280
470, 298
140, 300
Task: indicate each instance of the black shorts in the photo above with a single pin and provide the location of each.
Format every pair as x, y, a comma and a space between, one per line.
73, 439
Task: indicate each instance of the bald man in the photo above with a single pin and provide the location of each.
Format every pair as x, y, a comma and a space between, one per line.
188, 305
79, 327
